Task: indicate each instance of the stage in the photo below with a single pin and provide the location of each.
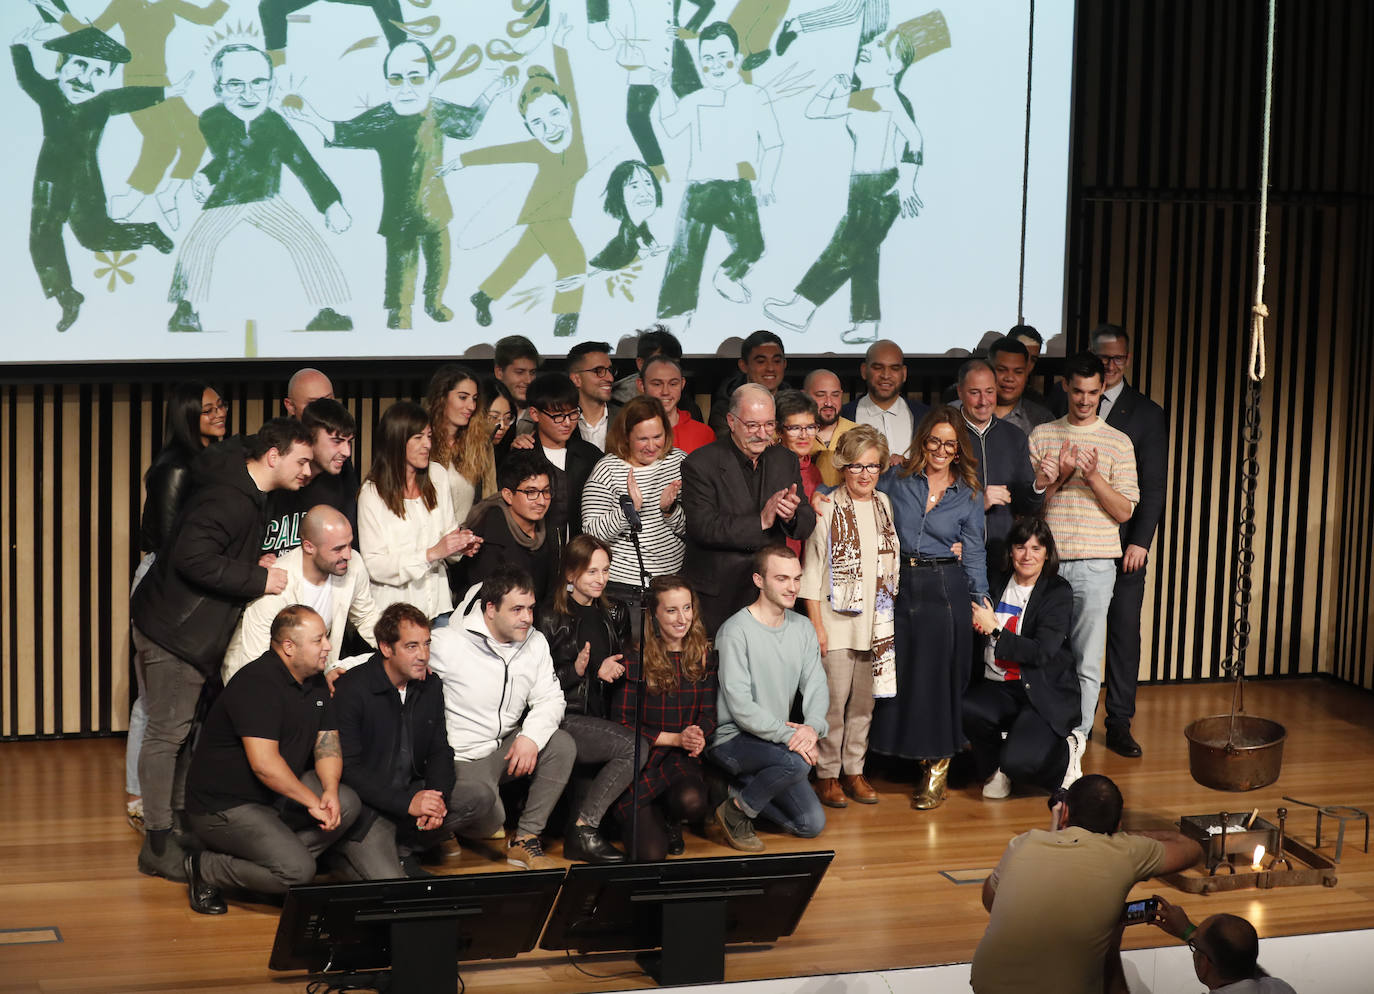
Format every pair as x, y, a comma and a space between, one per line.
903, 891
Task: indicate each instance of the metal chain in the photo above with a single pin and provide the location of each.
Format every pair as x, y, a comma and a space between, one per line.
1251, 433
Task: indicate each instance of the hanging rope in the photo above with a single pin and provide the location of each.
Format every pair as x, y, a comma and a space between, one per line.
1025, 171
1258, 364
1252, 426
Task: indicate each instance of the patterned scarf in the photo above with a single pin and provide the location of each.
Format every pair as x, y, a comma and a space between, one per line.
847, 587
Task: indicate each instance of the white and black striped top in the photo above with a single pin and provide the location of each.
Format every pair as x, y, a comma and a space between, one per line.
663, 536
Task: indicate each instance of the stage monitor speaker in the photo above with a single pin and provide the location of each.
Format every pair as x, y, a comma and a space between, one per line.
683, 912
412, 933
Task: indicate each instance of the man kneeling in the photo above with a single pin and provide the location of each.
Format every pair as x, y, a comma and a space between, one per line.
503, 706
396, 751
768, 653
252, 797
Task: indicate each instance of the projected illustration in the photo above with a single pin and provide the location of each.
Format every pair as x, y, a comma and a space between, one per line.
283, 178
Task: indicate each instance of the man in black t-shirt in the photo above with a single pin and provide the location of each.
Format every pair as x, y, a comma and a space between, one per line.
263, 793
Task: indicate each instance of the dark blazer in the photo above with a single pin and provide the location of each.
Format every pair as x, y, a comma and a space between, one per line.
586, 694
917, 408
368, 709
1003, 453
1144, 421
168, 483
1041, 648
723, 530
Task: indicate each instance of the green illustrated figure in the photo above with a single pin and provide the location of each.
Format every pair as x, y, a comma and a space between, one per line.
755, 21
632, 196
729, 121
548, 105
249, 143
888, 151
407, 133
872, 16
67, 188
274, 15
171, 137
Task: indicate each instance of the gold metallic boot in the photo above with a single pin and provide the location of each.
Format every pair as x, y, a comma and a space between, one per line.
930, 792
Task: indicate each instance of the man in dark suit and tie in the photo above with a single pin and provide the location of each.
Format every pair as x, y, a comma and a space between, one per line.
740, 493
1129, 410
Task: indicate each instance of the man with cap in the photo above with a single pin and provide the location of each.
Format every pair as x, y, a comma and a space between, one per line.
67, 188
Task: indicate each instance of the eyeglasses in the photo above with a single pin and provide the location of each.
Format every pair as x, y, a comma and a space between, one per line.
862, 467
1195, 947
503, 420
800, 429
218, 407
532, 493
757, 427
1113, 360
950, 445
238, 87
600, 372
414, 79
567, 417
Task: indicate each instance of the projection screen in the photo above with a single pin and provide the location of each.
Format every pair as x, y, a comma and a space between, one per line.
221, 179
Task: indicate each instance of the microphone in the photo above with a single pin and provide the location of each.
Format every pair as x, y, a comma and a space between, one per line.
627, 508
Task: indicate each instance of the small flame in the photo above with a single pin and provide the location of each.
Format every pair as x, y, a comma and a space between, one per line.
1259, 858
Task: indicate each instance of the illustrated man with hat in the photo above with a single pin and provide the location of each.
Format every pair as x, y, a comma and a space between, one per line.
67, 187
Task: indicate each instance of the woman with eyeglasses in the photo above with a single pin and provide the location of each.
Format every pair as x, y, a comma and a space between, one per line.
640, 461
588, 634
679, 715
195, 418
501, 413
462, 436
407, 530
849, 583
797, 416
936, 502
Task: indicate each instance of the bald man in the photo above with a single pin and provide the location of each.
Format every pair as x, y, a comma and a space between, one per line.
304, 386
1225, 951
885, 406
823, 386
322, 573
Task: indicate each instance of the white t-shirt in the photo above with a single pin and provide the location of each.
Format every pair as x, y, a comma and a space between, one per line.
1009, 608
559, 457
321, 598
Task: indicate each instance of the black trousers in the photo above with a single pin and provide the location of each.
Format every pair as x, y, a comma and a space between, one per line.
1031, 752
1123, 645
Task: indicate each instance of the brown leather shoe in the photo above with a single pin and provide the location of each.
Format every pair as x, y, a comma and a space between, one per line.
930, 792
858, 788
829, 793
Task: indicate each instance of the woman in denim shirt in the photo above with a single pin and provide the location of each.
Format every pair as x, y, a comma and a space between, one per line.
936, 502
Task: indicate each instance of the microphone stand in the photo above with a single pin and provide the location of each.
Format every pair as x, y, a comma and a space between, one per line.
636, 525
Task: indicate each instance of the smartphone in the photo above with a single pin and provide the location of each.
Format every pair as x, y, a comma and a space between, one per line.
1140, 911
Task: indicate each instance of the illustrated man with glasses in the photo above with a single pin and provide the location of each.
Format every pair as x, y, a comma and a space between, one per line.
741, 493
1143, 421
1087, 471
513, 524
249, 144
568, 457
407, 133
589, 368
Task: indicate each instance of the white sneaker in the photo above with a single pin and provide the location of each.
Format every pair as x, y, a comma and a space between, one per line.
998, 786
1077, 745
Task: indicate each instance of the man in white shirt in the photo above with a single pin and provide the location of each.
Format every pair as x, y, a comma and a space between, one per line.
884, 406
322, 574
729, 121
495, 666
589, 368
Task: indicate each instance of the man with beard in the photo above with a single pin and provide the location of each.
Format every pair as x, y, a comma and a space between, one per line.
884, 370
823, 386
250, 143
67, 187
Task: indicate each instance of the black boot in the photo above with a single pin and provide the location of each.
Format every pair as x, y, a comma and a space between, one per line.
584, 844
676, 847
71, 301
161, 856
483, 304
205, 900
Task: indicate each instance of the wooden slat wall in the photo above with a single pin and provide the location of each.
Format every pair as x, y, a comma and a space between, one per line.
1162, 221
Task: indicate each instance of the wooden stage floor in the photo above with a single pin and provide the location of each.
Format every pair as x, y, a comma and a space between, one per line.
67, 864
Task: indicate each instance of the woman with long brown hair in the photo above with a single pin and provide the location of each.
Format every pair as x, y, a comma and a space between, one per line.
679, 716
462, 435
406, 526
588, 634
936, 502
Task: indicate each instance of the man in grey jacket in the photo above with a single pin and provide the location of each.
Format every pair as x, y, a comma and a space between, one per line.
494, 666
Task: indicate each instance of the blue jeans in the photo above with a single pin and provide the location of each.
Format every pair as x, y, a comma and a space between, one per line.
772, 782
1093, 581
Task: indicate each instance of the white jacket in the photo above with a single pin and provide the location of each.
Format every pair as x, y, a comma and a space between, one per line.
488, 686
352, 601
395, 550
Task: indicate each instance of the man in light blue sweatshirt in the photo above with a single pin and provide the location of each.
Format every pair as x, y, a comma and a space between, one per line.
767, 654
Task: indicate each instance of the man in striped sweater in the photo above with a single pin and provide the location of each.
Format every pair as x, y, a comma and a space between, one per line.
1087, 471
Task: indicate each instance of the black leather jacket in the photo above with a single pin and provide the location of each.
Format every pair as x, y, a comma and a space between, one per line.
586, 694
168, 483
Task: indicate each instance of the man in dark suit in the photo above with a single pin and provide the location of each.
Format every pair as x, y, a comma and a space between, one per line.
1128, 410
740, 493
885, 406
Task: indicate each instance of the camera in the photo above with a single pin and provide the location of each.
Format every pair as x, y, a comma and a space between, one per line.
1140, 911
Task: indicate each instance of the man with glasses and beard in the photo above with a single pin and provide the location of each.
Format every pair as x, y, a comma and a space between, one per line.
513, 524
823, 386
741, 493
589, 368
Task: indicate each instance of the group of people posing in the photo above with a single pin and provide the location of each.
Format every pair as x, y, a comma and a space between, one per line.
767, 603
